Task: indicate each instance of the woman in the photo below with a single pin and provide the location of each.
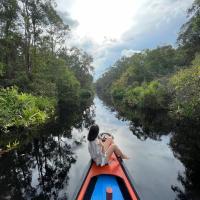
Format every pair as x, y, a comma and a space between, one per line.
101, 151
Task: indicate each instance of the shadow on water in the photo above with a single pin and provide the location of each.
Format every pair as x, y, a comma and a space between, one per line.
39, 167
184, 142
144, 124
47, 159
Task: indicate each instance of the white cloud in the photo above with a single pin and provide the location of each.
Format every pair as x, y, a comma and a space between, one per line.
103, 18
154, 15
109, 29
67, 19
129, 52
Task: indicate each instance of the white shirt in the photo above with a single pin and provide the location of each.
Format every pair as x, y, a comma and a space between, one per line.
96, 152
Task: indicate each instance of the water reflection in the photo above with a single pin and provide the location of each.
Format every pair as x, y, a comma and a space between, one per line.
186, 147
39, 168
152, 163
50, 160
144, 123
184, 141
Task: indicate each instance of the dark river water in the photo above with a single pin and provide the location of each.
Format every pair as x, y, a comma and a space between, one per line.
50, 166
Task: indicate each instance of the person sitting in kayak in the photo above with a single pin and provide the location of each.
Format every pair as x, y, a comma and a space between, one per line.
101, 151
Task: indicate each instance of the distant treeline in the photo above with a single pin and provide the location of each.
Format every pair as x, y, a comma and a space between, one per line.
164, 78
38, 73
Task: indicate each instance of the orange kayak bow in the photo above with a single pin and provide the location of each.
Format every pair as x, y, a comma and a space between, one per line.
110, 182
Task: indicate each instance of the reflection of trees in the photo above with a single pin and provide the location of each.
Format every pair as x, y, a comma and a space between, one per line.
48, 159
146, 123
107, 100
80, 116
39, 168
185, 144
143, 123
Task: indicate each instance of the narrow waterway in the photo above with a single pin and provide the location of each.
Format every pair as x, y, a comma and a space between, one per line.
50, 166
152, 163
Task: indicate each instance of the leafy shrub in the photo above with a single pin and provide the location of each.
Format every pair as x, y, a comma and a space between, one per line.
22, 109
68, 88
150, 95
196, 61
186, 93
118, 91
84, 93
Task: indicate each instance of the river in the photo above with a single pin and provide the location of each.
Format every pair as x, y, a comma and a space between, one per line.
152, 163
50, 166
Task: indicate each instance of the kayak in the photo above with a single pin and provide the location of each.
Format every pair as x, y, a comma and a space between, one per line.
110, 182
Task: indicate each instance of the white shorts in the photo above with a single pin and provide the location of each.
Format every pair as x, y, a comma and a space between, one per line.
101, 160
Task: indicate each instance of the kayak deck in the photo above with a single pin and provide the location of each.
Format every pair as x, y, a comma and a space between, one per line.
112, 175
104, 181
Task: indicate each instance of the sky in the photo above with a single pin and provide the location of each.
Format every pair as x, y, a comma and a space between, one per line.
110, 29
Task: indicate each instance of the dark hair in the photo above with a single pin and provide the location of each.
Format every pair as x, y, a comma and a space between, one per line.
93, 132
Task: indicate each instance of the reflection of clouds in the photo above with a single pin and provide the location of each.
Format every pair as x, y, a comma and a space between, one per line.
106, 119
149, 159
78, 138
82, 155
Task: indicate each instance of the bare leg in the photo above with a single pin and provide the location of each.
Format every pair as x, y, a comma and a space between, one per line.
115, 149
107, 143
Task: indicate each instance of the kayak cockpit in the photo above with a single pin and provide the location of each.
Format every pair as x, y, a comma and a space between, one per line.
99, 184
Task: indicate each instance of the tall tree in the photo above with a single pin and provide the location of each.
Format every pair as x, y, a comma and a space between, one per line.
57, 30
40, 20
80, 63
189, 37
25, 12
9, 35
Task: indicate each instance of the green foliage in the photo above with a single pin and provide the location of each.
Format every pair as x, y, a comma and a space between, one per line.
189, 39
196, 61
117, 91
22, 109
139, 68
148, 96
151, 64
33, 58
68, 88
85, 93
183, 89
186, 93
11, 146
80, 63
104, 84
139, 81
